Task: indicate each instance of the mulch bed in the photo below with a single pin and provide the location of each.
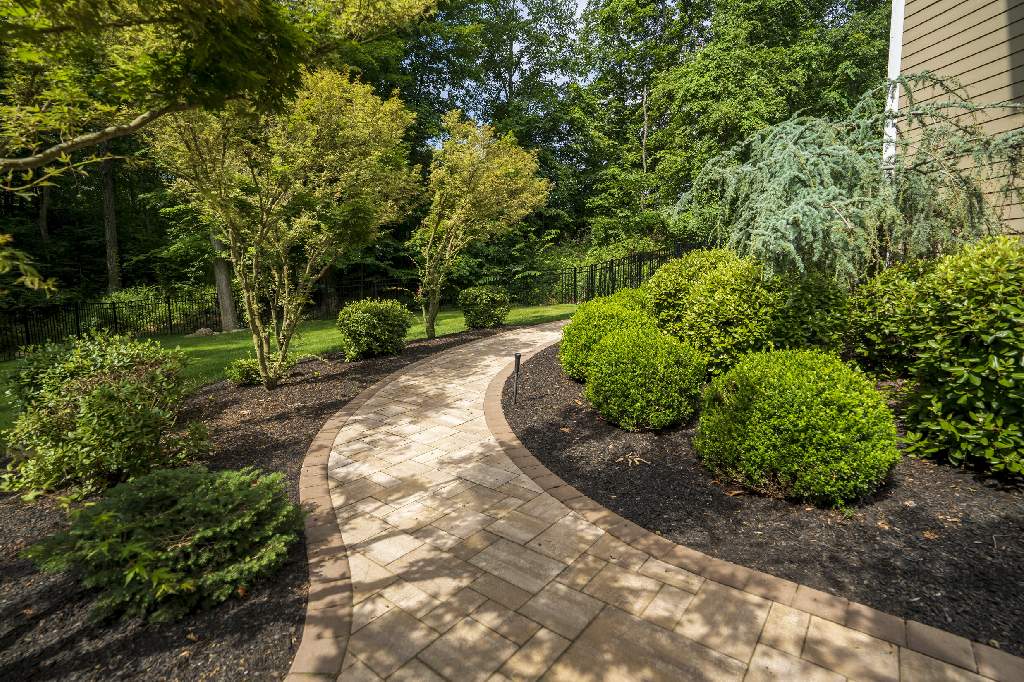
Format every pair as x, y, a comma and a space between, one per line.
45, 629
937, 544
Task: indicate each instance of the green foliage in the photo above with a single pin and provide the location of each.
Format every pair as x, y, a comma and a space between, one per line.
485, 306
373, 327
99, 410
812, 312
591, 323
176, 540
967, 403
637, 299
243, 371
880, 332
798, 424
640, 379
717, 302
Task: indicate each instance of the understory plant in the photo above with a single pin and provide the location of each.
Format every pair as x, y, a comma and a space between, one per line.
798, 424
591, 322
811, 313
484, 306
966, 404
373, 327
644, 379
176, 540
97, 411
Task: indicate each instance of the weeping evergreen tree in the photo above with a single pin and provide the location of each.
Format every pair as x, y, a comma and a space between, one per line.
816, 194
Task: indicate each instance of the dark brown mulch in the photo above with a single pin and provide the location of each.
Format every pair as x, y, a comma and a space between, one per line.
45, 629
937, 545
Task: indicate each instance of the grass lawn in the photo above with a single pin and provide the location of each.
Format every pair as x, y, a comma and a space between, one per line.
208, 355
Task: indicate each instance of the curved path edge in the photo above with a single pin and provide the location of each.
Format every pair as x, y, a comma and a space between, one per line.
440, 548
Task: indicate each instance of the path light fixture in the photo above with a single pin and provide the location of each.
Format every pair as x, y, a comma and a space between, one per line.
515, 383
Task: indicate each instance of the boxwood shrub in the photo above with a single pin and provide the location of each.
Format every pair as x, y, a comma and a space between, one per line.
589, 324
485, 306
644, 379
176, 540
373, 327
798, 424
967, 400
811, 313
97, 411
633, 299
715, 301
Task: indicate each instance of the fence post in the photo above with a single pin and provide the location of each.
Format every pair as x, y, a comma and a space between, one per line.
575, 290
78, 318
113, 314
170, 317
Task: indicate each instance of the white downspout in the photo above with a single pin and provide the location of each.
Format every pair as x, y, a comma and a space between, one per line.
892, 101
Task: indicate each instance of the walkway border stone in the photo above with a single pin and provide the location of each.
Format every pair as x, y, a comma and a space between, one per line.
958, 651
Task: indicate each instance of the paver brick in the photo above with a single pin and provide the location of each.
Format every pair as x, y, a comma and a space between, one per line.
672, 575
369, 610
725, 619
522, 567
409, 598
916, 667
505, 621
667, 607
464, 522
627, 590
786, 629
386, 644
567, 538
518, 527
940, 644
454, 609
388, 546
617, 552
997, 664
535, 657
772, 665
562, 610
469, 651
415, 671
876, 623
821, 604
857, 655
501, 591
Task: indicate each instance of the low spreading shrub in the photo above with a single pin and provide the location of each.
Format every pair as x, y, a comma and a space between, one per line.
484, 307
373, 327
176, 540
798, 424
879, 332
589, 324
96, 411
717, 302
644, 379
967, 400
246, 371
811, 312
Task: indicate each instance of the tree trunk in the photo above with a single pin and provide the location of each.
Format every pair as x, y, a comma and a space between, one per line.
430, 310
44, 214
222, 279
110, 225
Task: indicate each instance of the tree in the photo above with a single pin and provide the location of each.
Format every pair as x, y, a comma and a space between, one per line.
812, 193
480, 186
291, 193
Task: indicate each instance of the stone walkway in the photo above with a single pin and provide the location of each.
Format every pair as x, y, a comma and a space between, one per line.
440, 549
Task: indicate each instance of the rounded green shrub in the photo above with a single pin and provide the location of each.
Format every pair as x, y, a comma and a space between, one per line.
717, 302
589, 324
176, 540
879, 332
966, 404
631, 299
373, 327
96, 411
644, 379
484, 307
798, 424
243, 372
811, 311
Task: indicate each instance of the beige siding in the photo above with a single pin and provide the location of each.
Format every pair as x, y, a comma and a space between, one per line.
980, 43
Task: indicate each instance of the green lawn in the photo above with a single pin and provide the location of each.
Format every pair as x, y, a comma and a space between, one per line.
208, 355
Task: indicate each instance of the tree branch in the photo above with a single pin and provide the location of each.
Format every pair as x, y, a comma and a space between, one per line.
88, 139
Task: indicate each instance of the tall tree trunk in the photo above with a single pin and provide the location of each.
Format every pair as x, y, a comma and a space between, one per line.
430, 310
44, 214
110, 225
222, 279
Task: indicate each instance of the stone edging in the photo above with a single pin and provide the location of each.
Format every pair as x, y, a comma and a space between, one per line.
928, 640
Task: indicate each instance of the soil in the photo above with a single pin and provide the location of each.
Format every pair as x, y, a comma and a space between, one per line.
46, 632
936, 544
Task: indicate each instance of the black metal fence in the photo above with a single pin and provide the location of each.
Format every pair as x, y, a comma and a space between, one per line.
184, 315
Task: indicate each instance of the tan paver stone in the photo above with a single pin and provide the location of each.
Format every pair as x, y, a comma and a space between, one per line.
386, 644
474, 544
485, 475
369, 610
849, 652
618, 647
505, 621
997, 664
409, 598
627, 590
727, 573
523, 494
786, 629
478, 497
544, 507
562, 610
581, 571
772, 665
535, 657
350, 493
363, 527
876, 623
388, 546
684, 557
501, 509
518, 527
770, 587
438, 573
468, 651
413, 516
667, 607
407, 469
437, 537
501, 591
358, 672
617, 552
916, 667
383, 479
368, 577
415, 671
464, 522
522, 567
567, 538
821, 604
454, 609
725, 619
672, 575
940, 644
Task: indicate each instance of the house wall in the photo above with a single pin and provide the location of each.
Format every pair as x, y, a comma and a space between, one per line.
981, 44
